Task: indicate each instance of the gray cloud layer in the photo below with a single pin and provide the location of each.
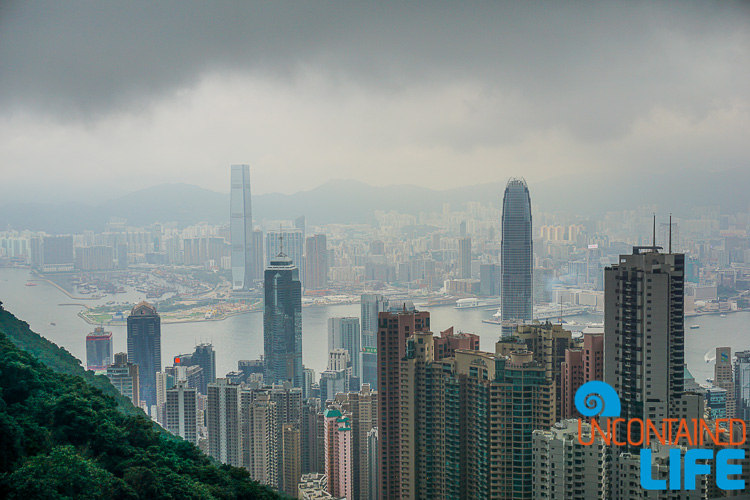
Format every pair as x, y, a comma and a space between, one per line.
593, 66
590, 71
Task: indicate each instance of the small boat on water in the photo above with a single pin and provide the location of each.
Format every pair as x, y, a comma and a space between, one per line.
53, 324
30, 284
722, 315
694, 327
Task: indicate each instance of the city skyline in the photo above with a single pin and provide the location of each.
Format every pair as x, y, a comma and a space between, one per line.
375, 251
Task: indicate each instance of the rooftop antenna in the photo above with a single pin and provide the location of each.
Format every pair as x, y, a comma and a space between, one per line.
281, 242
670, 233
653, 238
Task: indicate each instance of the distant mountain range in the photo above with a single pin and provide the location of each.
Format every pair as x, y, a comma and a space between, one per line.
348, 201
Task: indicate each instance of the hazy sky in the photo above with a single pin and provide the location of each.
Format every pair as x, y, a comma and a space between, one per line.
100, 98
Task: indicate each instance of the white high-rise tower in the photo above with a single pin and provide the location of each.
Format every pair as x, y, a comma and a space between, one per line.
241, 228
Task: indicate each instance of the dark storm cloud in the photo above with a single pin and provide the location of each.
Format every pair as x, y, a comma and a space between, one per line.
589, 67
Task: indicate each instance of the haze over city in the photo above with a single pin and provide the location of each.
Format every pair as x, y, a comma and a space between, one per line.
375, 251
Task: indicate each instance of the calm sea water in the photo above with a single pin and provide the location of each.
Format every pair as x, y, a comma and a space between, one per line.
241, 337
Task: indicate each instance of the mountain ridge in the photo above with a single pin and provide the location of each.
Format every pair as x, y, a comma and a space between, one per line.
349, 201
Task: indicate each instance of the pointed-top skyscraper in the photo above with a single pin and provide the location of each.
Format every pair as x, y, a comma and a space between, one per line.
282, 321
241, 228
517, 255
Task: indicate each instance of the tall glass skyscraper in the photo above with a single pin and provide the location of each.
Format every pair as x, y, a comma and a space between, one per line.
144, 348
241, 228
517, 255
282, 322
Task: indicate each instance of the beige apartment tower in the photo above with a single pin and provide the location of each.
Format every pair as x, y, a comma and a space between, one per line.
223, 422
182, 411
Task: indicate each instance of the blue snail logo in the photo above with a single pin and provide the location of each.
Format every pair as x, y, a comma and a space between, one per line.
597, 399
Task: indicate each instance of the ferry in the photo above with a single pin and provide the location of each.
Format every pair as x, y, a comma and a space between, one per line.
466, 303
694, 327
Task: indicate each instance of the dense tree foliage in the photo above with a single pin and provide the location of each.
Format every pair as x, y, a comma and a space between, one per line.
63, 435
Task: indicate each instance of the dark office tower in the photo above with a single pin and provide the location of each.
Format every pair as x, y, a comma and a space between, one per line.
464, 258
98, 349
371, 305
644, 333
394, 327
282, 322
204, 357
241, 228
144, 348
516, 255
316, 263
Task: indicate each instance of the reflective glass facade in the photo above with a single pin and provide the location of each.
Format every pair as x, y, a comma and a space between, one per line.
282, 322
517, 254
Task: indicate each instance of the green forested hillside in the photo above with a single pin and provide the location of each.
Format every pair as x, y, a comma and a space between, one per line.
64, 435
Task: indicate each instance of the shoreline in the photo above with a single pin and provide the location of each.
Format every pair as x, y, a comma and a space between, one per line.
717, 313
228, 315
71, 296
164, 321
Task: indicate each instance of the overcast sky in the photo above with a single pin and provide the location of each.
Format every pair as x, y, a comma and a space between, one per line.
102, 98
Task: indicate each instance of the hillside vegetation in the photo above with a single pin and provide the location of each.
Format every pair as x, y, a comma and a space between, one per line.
65, 433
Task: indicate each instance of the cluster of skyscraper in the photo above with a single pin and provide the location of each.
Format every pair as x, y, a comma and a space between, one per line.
403, 413
174, 397
309, 255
